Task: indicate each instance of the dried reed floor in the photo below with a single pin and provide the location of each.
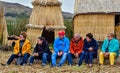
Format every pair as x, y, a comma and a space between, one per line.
37, 68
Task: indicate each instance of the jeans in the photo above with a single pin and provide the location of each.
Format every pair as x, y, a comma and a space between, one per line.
89, 57
70, 56
54, 57
44, 57
13, 56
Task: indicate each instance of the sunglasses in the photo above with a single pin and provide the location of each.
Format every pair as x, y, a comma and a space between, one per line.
108, 36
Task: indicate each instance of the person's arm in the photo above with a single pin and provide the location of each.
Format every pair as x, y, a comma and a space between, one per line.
81, 47
95, 48
115, 46
85, 48
104, 46
16, 49
56, 46
71, 48
46, 48
26, 48
67, 46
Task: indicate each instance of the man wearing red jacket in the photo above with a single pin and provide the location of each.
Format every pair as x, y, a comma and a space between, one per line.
76, 48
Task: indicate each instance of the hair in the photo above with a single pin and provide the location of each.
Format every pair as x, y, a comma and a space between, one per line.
24, 34
77, 35
111, 34
41, 38
89, 35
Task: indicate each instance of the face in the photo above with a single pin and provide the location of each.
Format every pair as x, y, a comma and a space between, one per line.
61, 36
88, 39
39, 41
109, 37
76, 38
21, 37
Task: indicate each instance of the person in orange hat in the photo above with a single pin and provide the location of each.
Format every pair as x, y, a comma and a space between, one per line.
61, 48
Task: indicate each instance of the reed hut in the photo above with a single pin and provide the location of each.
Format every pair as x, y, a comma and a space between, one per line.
46, 20
3, 26
96, 16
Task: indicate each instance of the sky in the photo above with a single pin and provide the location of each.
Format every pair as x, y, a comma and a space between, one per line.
67, 5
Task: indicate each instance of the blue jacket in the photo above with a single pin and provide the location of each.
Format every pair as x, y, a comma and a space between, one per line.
113, 46
92, 44
61, 45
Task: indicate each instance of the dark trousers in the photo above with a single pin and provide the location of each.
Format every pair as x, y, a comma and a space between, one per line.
13, 56
89, 57
45, 57
70, 56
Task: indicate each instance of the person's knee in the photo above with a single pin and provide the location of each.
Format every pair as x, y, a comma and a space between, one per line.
26, 55
45, 54
86, 54
64, 54
13, 55
69, 54
53, 56
90, 53
31, 57
101, 53
111, 54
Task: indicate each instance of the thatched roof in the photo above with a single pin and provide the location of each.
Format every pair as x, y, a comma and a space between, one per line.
46, 13
1, 9
46, 2
3, 26
97, 6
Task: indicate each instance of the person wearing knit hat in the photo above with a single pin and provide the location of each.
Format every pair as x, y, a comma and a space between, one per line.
41, 51
61, 48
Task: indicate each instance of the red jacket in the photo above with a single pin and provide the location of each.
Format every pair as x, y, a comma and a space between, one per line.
76, 47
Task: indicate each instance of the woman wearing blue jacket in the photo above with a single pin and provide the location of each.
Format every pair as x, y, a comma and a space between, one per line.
90, 49
110, 49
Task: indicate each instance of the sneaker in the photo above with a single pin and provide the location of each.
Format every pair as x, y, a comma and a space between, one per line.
53, 66
59, 65
23, 64
79, 65
70, 64
4, 64
43, 64
90, 65
30, 64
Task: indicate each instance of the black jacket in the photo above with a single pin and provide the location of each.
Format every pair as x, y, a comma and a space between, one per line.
44, 48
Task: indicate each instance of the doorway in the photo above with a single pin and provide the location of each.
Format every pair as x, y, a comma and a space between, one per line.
117, 26
49, 35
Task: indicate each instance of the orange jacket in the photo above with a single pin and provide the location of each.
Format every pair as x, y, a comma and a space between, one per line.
25, 49
76, 47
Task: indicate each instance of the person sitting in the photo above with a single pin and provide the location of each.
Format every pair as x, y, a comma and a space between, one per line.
110, 49
90, 49
76, 48
21, 49
61, 48
41, 51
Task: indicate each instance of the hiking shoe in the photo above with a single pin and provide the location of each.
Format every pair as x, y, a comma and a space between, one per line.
4, 64
30, 64
43, 64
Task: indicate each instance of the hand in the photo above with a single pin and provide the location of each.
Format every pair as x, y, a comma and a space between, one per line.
60, 53
76, 55
90, 49
35, 54
106, 54
19, 54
